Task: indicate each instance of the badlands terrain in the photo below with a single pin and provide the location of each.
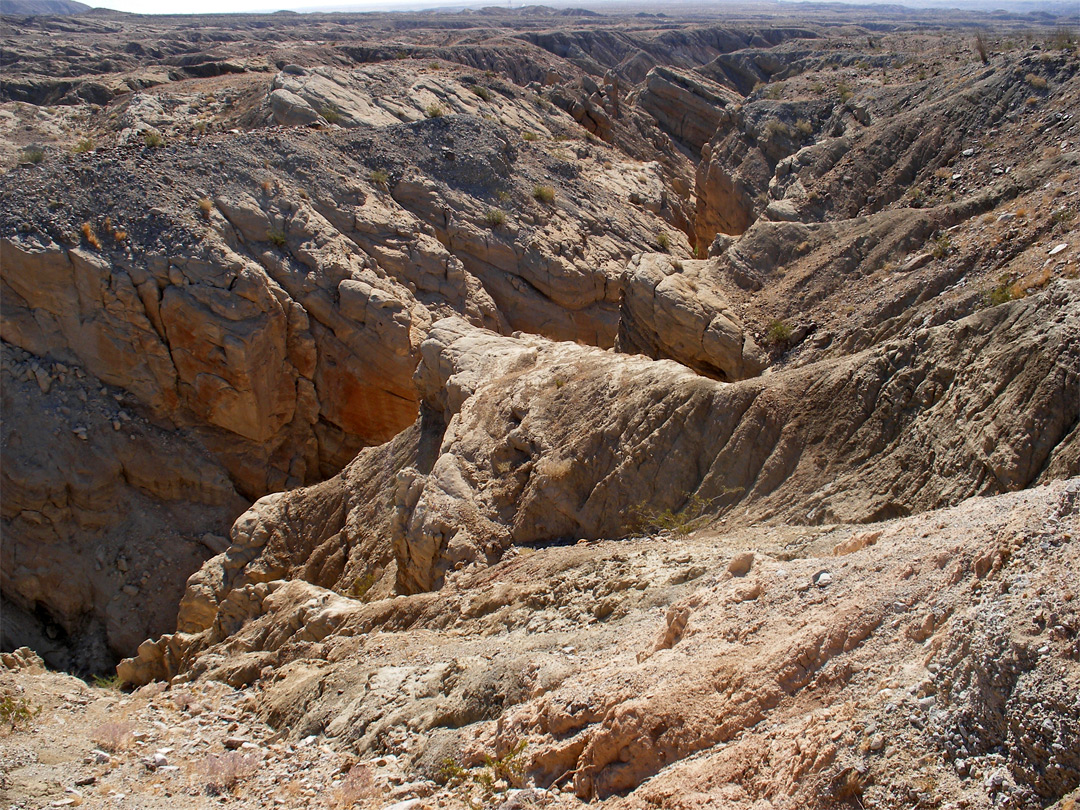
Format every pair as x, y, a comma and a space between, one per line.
536, 407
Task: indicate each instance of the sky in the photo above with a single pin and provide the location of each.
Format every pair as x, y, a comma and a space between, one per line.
232, 6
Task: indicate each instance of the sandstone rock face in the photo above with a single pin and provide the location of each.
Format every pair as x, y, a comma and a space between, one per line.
291, 110
545, 441
101, 507
687, 106
678, 313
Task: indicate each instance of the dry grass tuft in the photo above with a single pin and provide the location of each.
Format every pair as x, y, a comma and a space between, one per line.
90, 237
113, 737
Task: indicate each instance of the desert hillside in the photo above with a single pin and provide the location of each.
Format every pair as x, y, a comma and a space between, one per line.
540, 407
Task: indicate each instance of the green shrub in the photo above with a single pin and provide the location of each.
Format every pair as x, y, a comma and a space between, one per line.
153, 139
434, 111
112, 682
844, 92
83, 145
778, 333
494, 217
804, 127
331, 114
693, 514
32, 154
529, 136
379, 177
663, 241
1002, 293
1036, 81
17, 711
277, 238
481, 91
361, 586
544, 194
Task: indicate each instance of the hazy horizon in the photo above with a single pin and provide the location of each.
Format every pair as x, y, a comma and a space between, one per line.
195, 7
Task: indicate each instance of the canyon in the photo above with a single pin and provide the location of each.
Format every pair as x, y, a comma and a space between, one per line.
538, 407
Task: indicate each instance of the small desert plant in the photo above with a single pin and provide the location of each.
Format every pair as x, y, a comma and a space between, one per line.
89, 235
379, 177
680, 522
529, 136
1036, 81
1004, 292
450, 772
112, 682
774, 128
32, 154
844, 92
817, 88
206, 205
224, 771
1063, 39
481, 91
916, 196
510, 766
663, 241
277, 238
434, 111
1062, 215
361, 585
120, 235
942, 246
778, 333
804, 127
153, 139
544, 194
83, 145
17, 711
981, 49
774, 91
358, 785
113, 737
494, 217
331, 114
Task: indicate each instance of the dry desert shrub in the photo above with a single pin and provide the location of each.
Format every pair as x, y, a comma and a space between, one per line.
223, 771
113, 737
358, 786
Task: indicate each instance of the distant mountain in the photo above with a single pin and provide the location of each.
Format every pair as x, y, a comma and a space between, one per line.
26, 7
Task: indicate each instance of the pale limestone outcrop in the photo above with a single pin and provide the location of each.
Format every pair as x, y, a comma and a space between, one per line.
675, 309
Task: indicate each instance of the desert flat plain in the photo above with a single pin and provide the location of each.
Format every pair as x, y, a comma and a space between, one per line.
670, 407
